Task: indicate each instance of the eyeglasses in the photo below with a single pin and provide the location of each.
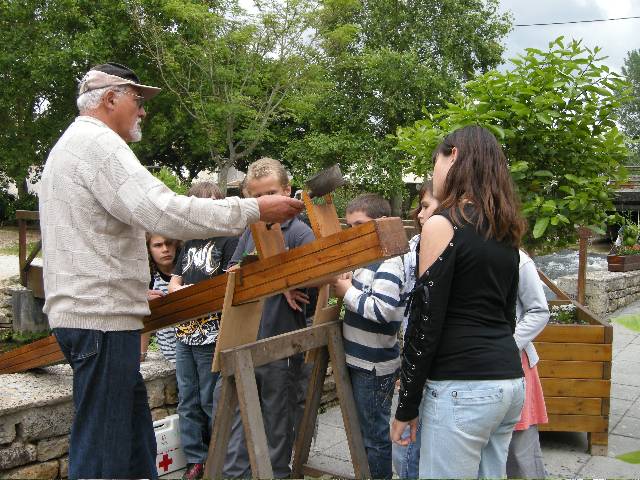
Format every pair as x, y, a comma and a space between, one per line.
139, 98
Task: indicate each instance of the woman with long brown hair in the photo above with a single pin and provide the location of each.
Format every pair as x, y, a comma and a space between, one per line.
459, 348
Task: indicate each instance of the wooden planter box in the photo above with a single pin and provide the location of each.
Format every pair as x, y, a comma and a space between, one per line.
575, 371
623, 263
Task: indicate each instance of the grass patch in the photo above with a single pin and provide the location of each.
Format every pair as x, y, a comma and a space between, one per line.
631, 457
10, 340
14, 248
632, 322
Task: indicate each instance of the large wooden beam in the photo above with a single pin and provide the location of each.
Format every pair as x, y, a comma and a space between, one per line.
311, 263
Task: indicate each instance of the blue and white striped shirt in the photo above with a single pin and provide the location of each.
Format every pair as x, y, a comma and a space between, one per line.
374, 311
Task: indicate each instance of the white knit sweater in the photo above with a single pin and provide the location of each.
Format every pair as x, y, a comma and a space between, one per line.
96, 202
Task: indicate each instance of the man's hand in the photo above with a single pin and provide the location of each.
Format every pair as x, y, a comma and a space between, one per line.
342, 283
278, 208
397, 429
294, 297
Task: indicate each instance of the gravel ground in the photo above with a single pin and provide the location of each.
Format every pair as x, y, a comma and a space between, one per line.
8, 266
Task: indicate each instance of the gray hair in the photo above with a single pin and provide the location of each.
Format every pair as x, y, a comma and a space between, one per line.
91, 99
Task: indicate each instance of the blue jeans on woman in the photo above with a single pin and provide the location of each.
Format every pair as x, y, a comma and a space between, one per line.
196, 383
373, 395
467, 427
112, 433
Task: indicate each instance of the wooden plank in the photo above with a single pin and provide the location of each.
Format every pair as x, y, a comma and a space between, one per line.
23, 357
221, 430
563, 387
573, 405
27, 215
324, 313
30, 354
308, 423
322, 216
552, 286
268, 239
239, 324
572, 334
347, 405
574, 351
281, 346
569, 369
22, 250
575, 423
35, 281
322, 258
251, 413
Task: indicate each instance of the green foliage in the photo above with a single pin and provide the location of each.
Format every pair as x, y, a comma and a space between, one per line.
555, 115
383, 61
172, 181
233, 74
565, 315
630, 108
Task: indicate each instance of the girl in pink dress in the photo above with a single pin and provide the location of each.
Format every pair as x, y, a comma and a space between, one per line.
525, 456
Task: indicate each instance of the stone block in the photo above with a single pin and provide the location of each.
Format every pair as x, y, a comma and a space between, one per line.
27, 312
171, 392
16, 454
52, 448
7, 429
35, 471
64, 467
159, 414
47, 421
155, 392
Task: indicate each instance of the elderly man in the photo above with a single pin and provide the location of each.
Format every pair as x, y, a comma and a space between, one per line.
96, 202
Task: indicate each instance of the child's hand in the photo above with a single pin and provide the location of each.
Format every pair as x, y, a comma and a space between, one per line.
153, 294
342, 283
233, 268
175, 288
295, 296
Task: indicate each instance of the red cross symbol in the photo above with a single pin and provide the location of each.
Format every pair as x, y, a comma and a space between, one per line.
166, 461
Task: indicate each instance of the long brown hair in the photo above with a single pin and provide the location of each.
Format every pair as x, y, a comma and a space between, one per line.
480, 175
153, 268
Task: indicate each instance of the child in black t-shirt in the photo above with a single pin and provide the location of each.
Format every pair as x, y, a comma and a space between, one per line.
196, 340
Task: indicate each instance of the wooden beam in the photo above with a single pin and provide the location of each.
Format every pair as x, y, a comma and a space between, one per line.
27, 215
321, 259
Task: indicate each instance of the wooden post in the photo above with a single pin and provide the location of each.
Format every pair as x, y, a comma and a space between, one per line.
584, 235
22, 250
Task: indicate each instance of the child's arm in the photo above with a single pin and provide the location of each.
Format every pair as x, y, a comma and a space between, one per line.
380, 303
144, 345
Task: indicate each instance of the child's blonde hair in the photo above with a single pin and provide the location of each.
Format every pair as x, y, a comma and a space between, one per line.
265, 167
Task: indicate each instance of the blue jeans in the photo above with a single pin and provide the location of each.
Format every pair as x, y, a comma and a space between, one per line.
112, 433
406, 458
196, 383
467, 427
373, 395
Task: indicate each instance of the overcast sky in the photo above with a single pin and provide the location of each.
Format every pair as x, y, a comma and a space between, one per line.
615, 38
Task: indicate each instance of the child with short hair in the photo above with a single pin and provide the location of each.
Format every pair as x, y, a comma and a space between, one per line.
373, 314
196, 340
280, 380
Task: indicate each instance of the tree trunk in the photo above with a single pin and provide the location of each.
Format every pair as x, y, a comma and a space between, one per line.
223, 174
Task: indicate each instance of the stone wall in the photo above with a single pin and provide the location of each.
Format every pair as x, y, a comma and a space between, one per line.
36, 412
605, 291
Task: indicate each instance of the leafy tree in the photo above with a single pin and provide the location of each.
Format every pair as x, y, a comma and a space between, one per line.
234, 74
384, 61
630, 109
555, 114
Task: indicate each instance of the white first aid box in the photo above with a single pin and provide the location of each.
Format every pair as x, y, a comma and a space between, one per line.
169, 456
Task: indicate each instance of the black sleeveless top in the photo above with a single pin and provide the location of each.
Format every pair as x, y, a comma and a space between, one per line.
463, 314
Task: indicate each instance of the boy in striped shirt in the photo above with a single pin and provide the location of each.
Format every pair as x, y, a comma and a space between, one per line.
373, 315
